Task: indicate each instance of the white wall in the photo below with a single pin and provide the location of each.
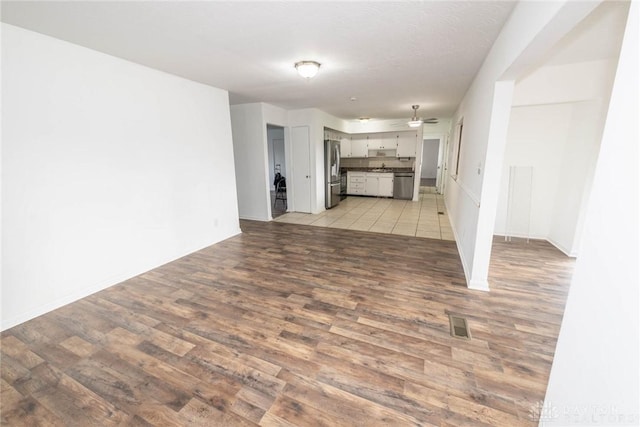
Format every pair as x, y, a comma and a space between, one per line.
251, 159
556, 128
536, 138
109, 169
249, 123
575, 179
251, 156
595, 377
430, 148
472, 199
317, 120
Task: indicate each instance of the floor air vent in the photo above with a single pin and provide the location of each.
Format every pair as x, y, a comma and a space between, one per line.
459, 327
440, 213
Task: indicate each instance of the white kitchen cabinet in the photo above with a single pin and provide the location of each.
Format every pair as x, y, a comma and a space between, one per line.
374, 141
374, 184
356, 183
371, 184
345, 147
385, 185
389, 141
359, 146
382, 141
407, 142
378, 184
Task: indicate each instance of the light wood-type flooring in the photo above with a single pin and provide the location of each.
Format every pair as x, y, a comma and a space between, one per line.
290, 325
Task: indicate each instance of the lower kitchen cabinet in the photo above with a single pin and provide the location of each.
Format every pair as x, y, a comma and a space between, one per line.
385, 185
370, 184
356, 183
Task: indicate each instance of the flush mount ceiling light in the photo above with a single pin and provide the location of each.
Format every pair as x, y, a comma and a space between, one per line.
307, 69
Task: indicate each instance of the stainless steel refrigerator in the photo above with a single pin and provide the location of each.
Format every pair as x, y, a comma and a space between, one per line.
331, 173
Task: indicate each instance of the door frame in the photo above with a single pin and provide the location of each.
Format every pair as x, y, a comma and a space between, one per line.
287, 162
441, 149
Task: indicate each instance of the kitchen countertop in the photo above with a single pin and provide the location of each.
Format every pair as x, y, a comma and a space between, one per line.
386, 170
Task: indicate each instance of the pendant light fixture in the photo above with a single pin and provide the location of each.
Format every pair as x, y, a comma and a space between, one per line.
307, 69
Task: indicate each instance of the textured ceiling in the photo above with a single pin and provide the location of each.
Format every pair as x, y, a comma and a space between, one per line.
389, 55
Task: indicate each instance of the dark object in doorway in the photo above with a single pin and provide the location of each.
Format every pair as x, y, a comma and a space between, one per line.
281, 190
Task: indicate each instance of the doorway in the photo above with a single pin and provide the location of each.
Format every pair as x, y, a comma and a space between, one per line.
429, 167
277, 170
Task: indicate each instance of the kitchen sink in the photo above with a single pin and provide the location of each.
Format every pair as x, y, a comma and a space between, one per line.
381, 170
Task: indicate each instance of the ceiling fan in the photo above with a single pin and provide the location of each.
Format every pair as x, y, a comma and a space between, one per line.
418, 121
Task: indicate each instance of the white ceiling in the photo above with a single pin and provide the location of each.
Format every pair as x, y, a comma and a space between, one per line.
598, 36
389, 55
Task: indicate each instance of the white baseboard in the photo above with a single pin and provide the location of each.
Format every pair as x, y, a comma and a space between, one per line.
104, 284
561, 248
252, 218
571, 254
479, 285
519, 236
53, 305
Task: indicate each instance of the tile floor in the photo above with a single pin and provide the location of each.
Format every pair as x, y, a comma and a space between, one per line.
380, 215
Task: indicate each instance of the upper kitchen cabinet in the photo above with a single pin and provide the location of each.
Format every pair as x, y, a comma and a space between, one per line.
407, 144
345, 146
382, 141
374, 141
389, 141
359, 146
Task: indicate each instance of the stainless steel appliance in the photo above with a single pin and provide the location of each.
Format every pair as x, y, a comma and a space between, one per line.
331, 173
343, 186
403, 185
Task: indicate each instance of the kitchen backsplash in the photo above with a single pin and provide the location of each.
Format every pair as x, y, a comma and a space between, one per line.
389, 162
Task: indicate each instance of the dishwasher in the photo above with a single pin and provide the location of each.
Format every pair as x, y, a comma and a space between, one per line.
403, 185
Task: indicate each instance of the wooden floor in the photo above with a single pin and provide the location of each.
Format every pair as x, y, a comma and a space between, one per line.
296, 325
